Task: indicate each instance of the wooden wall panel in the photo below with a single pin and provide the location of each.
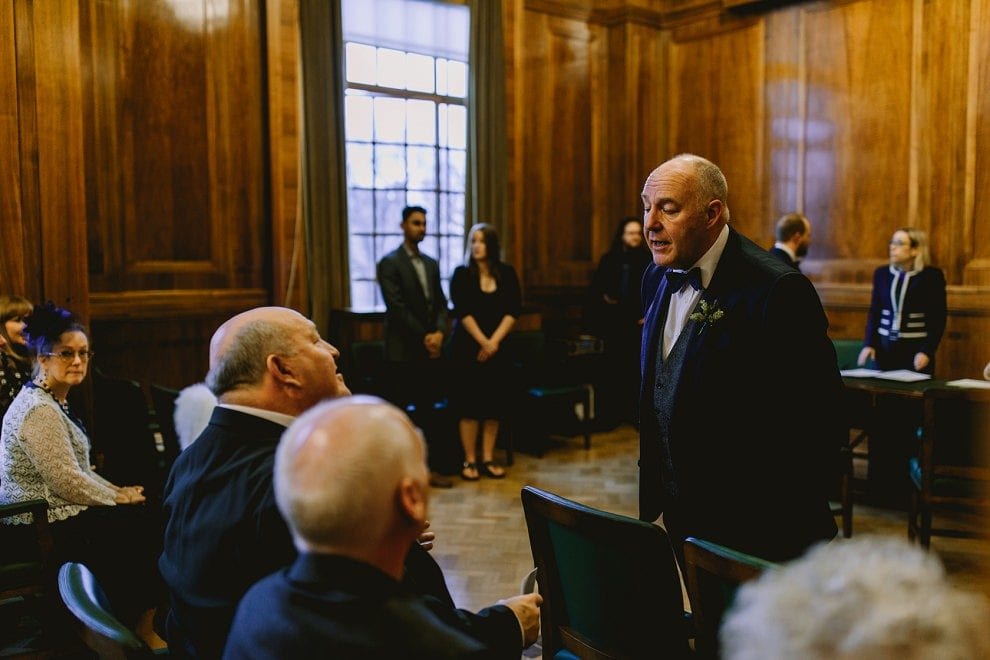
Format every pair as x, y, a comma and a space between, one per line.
175, 146
976, 269
858, 129
552, 155
716, 101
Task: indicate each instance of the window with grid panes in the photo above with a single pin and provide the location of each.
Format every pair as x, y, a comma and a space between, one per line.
405, 112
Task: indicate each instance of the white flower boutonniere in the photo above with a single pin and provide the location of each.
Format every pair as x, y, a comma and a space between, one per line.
707, 314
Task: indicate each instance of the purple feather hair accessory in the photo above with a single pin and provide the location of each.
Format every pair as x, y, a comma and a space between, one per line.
47, 322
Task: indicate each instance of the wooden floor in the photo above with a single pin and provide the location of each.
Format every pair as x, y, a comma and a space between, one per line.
483, 547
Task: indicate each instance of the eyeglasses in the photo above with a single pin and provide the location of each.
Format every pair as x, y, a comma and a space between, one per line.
900, 243
70, 356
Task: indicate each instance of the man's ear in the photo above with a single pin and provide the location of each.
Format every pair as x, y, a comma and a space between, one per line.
281, 371
715, 209
411, 501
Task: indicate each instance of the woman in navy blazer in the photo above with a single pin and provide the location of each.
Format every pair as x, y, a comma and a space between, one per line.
907, 310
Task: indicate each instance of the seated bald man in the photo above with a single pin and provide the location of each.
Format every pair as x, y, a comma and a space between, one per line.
351, 482
223, 529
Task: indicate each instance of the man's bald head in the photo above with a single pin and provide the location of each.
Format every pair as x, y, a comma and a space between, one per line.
278, 350
351, 478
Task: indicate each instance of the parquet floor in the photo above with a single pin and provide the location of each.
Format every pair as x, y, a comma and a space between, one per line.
483, 546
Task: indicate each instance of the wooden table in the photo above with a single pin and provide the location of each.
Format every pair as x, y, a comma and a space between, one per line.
886, 414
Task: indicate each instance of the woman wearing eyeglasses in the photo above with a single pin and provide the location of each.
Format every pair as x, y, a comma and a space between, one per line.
44, 454
908, 309
15, 365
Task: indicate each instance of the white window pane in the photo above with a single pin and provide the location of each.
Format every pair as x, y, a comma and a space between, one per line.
457, 126
455, 209
390, 166
365, 295
362, 257
359, 168
425, 198
441, 76
358, 113
360, 210
453, 253
457, 79
442, 125
388, 210
430, 245
458, 170
360, 63
385, 243
390, 119
419, 72
422, 168
421, 122
391, 68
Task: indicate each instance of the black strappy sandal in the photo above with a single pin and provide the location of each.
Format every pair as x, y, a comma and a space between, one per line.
470, 466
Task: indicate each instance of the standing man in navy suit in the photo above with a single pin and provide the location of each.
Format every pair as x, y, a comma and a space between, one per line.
415, 324
793, 239
740, 403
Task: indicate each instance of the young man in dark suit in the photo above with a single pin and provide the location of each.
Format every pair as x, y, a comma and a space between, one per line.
352, 483
793, 239
415, 324
741, 424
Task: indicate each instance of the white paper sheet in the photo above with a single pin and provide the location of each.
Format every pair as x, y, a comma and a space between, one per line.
860, 373
970, 382
903, 375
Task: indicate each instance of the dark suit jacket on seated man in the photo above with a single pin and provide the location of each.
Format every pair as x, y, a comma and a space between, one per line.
741, 422
352, 482
223, 529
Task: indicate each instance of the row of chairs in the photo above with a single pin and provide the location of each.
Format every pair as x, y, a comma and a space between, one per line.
551, 397
135, 437
611, 588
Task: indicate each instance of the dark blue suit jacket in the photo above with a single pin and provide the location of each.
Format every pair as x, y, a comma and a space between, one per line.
326, 606
756, 424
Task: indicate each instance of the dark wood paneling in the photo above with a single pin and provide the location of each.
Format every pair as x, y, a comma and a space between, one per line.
551, 154
175, 146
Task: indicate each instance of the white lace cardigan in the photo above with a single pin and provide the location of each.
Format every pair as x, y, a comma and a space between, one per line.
44, 455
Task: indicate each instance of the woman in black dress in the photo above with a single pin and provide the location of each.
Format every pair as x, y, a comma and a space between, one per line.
486, 297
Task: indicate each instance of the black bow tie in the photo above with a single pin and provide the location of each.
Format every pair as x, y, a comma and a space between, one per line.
676, 279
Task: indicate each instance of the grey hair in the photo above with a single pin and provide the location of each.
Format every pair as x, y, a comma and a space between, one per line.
868, 597
244, 360
711, 181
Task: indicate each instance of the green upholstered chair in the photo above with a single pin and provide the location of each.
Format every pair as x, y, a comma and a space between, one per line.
609, 582
952, 467
101, 630
712, 574
25, 572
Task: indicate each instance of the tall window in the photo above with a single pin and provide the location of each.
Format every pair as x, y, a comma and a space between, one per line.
406, 80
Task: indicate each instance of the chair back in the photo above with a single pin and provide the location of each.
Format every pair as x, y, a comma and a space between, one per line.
163, 400
713, 573
25, 565
102, 631
609, 582
366, 370
122, 431
952, 468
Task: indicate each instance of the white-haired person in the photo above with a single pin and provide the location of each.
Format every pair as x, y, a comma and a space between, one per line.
868, 597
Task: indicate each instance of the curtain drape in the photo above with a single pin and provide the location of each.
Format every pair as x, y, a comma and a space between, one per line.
324, 179
487, 142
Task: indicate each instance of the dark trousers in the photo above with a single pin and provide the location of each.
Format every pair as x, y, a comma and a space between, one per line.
420, 388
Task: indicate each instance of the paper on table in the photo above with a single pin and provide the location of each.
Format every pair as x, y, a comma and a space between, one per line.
860, 373
903, 375
970, 382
